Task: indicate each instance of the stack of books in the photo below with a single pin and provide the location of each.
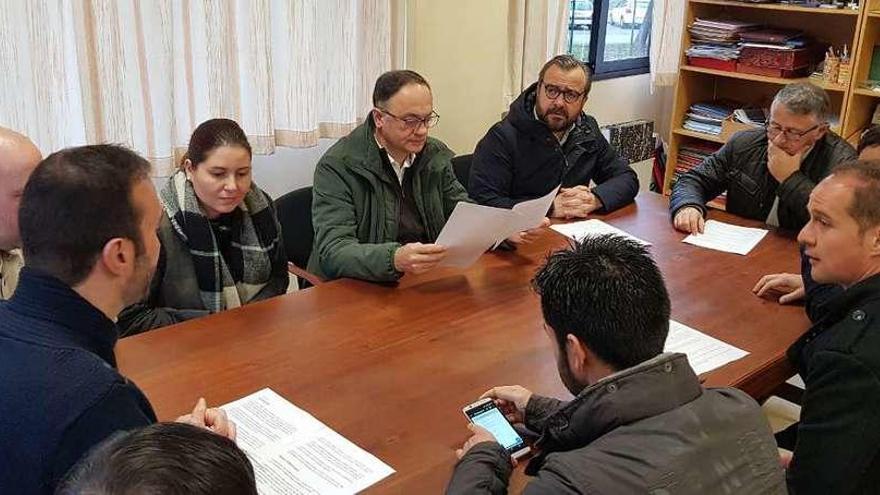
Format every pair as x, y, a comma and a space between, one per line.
715, 44
707, 117
776, 52
690, 155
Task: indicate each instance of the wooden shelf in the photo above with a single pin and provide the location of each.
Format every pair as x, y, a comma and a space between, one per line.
866, 92
782, 81
699, 135
873, 13
742, 75
779, 6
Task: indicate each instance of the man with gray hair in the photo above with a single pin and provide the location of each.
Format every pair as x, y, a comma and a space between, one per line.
768, 173
18, 158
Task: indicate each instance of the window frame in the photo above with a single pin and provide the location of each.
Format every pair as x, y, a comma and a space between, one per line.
605, 69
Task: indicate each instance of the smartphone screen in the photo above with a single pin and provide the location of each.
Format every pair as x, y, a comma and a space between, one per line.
486, 414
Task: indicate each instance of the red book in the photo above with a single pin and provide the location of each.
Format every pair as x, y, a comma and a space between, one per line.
713, 63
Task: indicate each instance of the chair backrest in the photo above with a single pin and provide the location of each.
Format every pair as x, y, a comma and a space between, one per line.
294, 211
461, 165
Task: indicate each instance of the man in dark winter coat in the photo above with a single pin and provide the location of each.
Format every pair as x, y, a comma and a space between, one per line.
547, 140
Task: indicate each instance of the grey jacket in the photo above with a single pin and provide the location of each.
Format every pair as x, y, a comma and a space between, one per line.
648, 429
174, 290
740, 168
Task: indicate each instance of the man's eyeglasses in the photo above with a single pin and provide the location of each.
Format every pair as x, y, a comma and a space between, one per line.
793, 135
412, 123
553, 92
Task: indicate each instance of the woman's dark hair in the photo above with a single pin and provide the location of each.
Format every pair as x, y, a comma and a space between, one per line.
212, 134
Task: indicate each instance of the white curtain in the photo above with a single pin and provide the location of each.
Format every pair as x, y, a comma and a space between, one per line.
537, 32
145, 73
666, 32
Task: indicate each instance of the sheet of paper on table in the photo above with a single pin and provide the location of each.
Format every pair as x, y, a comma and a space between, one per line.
292, 452
726, 237
584, 228
704, 353
473, 229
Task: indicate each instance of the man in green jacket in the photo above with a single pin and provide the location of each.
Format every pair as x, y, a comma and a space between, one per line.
383, 193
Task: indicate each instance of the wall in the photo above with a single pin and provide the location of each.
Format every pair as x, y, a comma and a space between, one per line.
460, 46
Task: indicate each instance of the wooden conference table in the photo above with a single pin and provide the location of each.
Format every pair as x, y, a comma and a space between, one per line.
390, 367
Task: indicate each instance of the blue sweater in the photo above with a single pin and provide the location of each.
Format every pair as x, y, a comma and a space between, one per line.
61, 392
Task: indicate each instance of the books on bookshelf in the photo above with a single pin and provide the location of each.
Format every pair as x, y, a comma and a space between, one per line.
715, 43
690, 155
708, 117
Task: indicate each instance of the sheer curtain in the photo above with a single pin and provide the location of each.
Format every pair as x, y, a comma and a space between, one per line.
536, 33
666, 32
146, 73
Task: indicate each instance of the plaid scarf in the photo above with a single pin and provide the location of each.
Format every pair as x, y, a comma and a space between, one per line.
254, 237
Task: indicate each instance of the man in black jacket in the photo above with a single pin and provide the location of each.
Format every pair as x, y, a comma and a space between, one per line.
768, 173
836, 444
88, 221
640, 422
546, 140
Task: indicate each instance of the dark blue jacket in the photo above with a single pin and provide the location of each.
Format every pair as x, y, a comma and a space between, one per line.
521, 159
60, 392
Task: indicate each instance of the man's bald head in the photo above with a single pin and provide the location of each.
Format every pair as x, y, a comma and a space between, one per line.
18, 158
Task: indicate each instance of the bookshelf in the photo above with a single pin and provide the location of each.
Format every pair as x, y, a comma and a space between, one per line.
861, 104
832, 26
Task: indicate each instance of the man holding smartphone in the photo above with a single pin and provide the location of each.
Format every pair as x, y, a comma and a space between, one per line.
640, 421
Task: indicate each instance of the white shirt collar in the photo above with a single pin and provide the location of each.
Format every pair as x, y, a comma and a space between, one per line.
399, 169
564, 137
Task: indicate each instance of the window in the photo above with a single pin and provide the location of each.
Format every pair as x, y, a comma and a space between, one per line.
612, 36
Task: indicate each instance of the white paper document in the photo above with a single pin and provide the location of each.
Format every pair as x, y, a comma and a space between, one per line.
294, 453
584, 228
726, 237
472, 229
704, 353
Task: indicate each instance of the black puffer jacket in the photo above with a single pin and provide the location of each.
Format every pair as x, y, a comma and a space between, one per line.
520, 159
648, 429
740, 168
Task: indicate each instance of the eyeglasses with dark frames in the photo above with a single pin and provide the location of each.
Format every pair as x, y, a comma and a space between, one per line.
413, 123
793, 135
554, 92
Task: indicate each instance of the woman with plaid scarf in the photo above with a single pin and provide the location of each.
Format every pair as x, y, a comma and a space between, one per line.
221, 240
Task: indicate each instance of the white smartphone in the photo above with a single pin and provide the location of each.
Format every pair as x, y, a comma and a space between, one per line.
485, 413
